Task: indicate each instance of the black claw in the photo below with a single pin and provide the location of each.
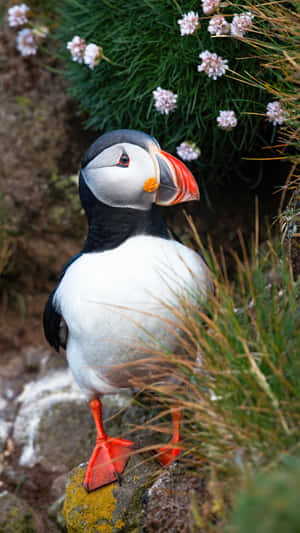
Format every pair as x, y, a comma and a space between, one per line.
119, 479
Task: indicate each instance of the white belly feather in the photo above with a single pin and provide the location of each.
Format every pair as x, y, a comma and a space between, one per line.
112, 301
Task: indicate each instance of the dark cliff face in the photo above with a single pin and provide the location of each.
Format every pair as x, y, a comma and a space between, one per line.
41, 224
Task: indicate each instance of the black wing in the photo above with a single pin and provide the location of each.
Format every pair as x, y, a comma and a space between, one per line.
55, 328
53, 325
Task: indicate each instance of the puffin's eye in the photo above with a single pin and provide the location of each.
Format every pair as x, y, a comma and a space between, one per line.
124, 160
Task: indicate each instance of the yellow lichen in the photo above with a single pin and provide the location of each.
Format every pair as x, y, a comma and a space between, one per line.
87, 510
103, 528
119, 524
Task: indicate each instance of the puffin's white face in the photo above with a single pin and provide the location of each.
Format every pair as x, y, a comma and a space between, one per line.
119, 175
127, 168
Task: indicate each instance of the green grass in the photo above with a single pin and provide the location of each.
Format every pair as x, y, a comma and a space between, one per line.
250, 340
275, 43
239, 371
270, 501
143, 41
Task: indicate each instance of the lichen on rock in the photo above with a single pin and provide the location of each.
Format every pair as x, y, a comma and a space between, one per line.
89, 511
113, 508
16, 516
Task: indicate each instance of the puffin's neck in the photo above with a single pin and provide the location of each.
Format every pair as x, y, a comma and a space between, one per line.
111, 226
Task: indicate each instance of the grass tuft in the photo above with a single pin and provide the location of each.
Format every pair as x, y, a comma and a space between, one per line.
237, 377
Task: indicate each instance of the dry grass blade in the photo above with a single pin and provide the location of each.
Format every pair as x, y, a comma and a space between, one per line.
237, 375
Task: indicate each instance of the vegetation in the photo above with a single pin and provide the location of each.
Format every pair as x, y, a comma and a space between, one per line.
145, 50
240, 372
276, 43
142, 48
270, 501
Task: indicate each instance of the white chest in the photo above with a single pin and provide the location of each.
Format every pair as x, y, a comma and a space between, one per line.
114, 300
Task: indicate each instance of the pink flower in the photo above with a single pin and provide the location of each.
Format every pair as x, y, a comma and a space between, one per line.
227, 120
188, 151
77, 47
218, 25
212, 64
17, 15
164, 101
92, 55
241, 23
209, 6
275, 113
26, 43
189, 23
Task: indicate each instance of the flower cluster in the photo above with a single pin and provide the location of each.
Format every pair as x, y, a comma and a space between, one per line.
189, 23
90, 54
16, 15
209, 6
275, 113
77, 47
227, 120
188, 151
164, 100
218, 25
212, 64
27, 39
26, 43
241, 23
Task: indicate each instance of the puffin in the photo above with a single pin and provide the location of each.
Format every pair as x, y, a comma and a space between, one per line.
119, 291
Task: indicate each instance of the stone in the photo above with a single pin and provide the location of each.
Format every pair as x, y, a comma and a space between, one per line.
113, 508
11, 365
66, 435
167, 503
54, 425
35, 357
58, 486
5, 428
37, 399
3, 403
16, 516
17, 477
55, 512
42, 360
34, 100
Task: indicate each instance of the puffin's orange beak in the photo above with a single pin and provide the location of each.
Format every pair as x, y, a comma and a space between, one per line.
177, 183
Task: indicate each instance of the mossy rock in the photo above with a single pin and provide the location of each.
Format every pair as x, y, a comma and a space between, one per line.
16, 516
111, 509
66, 435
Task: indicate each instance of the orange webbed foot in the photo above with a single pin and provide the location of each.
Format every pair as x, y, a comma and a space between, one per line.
109, 457
107, 462
167, 454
